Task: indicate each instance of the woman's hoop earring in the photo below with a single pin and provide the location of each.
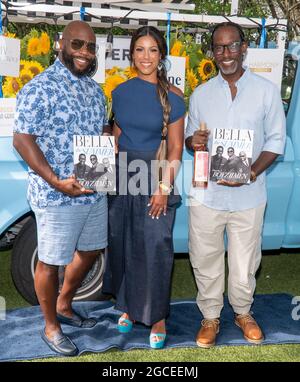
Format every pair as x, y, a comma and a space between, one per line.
160, 66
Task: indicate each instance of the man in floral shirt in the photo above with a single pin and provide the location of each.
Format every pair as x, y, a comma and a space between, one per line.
61, 102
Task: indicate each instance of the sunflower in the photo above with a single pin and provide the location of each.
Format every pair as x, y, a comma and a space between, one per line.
111, 83
191, 79
130, 72
33, 48
11, 86
9, 35
23, 64
206, 69
26, 75
35, 67
176, 48
114, 70
44, 43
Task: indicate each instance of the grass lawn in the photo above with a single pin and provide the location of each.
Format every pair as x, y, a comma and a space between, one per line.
278, 273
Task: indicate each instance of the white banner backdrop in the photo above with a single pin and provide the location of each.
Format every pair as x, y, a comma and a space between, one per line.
9, 56
120, 53
267, 63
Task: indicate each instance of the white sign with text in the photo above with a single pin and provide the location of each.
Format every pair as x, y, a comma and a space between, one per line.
267, 63
119, 54
176, 71
7, 116
9, 56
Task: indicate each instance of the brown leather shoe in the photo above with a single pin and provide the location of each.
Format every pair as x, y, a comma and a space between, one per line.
250, 328
206, 336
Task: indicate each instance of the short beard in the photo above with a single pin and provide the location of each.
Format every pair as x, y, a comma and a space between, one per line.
229, 71
69, 63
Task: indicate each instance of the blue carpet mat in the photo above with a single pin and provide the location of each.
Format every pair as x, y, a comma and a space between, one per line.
20, 332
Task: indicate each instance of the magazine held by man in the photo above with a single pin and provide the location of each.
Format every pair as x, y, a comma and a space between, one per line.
94, 162
231, 155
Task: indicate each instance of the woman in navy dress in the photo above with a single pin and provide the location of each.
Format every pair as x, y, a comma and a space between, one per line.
149, 122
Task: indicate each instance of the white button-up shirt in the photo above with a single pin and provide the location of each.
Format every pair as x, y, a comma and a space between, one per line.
257, 106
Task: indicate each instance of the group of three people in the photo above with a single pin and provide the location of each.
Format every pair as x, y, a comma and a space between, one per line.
74, 224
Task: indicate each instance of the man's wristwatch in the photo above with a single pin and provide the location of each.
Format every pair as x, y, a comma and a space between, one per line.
253, 176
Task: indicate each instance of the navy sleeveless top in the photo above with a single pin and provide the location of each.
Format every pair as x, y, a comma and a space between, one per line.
139, 114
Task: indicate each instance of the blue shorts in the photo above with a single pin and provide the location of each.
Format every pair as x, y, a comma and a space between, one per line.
63, 229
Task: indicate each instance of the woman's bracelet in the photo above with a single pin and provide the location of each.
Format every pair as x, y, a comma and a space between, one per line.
165, 188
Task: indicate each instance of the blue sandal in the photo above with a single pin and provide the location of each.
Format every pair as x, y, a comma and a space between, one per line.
124, 328
157, 344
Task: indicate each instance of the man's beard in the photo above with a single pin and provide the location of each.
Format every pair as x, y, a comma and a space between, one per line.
69, 63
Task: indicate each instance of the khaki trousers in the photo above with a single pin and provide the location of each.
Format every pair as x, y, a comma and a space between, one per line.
207, 256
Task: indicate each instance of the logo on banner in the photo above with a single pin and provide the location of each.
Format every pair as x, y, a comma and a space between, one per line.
176, 71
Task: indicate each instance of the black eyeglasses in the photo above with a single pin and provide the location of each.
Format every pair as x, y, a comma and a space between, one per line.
234, 47
77, 44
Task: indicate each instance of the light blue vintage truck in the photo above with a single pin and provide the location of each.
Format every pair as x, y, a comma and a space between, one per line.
282, 219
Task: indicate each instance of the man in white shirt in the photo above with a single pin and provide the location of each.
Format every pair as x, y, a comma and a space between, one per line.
245, 101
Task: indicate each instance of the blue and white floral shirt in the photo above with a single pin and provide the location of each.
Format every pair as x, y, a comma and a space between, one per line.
54, 106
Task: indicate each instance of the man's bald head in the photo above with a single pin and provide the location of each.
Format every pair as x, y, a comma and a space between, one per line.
78, 29
78, 47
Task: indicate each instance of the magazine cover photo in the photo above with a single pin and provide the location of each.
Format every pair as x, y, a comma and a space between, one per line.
231, 155
94, 162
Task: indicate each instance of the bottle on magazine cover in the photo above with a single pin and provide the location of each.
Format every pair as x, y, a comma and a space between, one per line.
201, 163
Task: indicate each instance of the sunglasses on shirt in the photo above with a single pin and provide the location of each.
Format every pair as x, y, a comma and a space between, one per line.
77, 44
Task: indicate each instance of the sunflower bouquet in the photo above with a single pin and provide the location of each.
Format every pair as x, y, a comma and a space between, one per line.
199, 67
114, 77
35, 57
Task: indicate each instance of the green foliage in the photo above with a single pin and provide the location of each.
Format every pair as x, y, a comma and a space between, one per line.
212, 7
251, 353
279, 273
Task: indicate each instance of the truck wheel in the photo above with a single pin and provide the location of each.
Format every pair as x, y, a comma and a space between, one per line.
24, 259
